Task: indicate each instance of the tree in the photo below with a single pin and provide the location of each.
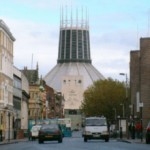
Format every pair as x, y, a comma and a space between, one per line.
103, 97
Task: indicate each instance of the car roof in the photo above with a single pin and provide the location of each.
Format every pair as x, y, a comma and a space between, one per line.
36, 126
52, 124
95, 118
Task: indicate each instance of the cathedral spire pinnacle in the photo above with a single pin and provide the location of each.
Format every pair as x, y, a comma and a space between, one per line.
74, 39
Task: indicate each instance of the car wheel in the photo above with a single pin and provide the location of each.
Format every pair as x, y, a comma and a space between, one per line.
107, 140
85, 139
40, 141
60, 140
29, 138
147, 141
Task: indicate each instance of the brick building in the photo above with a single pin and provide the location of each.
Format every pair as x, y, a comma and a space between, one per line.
44, 101
140, 81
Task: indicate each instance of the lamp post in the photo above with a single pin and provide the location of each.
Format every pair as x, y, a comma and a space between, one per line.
46, 109
122, 109
133, 122
126, 81
1, 126
36, 108
126, 88
141, 114
9, 126
115, 112
120, 127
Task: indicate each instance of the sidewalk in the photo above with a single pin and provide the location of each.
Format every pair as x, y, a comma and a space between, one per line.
13, 141
132, 140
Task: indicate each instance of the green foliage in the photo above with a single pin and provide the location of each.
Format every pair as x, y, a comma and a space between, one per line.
103, 97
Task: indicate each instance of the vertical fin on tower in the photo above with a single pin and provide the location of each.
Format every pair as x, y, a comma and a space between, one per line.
74, 40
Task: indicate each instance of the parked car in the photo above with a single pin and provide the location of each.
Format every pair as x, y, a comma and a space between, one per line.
148, 133
50, 132
34, 132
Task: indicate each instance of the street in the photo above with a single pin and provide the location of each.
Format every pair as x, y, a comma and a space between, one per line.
76, 143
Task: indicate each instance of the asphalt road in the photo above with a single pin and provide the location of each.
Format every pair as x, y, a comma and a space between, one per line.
76, 143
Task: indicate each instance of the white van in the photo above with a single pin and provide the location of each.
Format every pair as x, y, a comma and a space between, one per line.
95, 128
35, 131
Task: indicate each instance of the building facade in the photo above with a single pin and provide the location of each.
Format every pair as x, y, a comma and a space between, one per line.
44, 101
36, 102
55, 103
24, 103
140, 82
6, 81
20, 103
17, 100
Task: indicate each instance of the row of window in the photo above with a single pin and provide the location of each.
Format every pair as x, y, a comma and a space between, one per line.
74, 38
6, 62
72, 112
17, 82
17, 103
6, 41
75, 81
34, 95
34, 112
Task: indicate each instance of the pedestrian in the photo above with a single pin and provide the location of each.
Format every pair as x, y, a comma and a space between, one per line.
133, 131
29, 135
130, 130
138, 128
15, 134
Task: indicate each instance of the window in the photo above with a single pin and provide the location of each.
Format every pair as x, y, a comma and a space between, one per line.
79, 81
64, 81
80, 53
68, 44
72, 112
63, 44
17, 82
74, 44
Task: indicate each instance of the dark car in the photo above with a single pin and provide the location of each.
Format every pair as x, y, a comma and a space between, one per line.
50, 132
148, 133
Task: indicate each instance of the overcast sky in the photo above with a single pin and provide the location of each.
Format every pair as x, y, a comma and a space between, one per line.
116, 27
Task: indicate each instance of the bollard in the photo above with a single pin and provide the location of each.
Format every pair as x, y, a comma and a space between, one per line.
120, 132
1, 138
133, 132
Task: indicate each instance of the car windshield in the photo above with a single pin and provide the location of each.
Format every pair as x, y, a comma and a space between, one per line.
96, 122
35, 128
50, 127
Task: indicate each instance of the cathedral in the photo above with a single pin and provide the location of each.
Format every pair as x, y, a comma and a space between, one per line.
74, 71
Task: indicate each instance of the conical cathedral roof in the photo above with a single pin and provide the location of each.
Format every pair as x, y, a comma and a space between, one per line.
73, 56
87, 70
